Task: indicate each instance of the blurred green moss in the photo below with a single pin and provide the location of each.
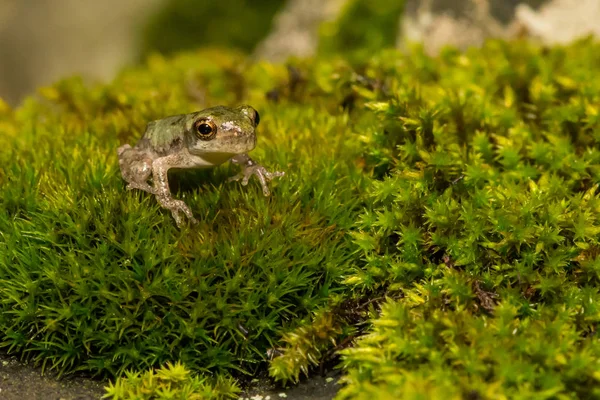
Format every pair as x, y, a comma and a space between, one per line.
362, 27
190, 24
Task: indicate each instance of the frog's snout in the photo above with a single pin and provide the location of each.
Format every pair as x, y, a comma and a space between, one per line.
251, 113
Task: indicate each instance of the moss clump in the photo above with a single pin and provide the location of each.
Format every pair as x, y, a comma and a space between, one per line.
482, 228
172, 381
98, 279
304, 347
462, 189
440, 353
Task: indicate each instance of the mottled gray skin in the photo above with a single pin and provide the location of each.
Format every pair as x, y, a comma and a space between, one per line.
179, 142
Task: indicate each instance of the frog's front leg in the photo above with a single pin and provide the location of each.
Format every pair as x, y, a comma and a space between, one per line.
160, 168
251, 167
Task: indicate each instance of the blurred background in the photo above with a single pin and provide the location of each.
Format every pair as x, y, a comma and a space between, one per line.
44, 40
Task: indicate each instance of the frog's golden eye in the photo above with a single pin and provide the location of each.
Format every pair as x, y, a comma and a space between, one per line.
205, 129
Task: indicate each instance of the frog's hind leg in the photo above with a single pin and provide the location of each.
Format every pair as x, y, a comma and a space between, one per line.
136, 168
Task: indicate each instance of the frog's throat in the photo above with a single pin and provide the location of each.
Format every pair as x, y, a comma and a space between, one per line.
214, 158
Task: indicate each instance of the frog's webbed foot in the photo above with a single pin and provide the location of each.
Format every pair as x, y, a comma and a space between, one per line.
261, 173
176, 207
249, 168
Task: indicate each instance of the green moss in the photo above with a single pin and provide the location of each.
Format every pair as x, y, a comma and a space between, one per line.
305, 346
415, 350
482, 228
173, 381
99, 279
462, 189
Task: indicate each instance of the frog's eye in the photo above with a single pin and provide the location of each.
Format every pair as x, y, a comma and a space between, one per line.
205, 129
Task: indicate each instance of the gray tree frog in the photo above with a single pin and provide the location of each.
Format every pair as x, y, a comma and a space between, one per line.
202, 139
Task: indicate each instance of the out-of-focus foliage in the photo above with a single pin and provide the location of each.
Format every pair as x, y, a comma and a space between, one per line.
363, 27
190, 24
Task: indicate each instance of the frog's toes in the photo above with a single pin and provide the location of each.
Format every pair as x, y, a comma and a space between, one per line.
179, 220
261, 173
236, 177
274, 174
179, 206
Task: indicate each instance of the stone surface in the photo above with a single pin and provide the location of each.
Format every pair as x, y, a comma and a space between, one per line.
42, 41
296, 29
465, 23
561, 21
460, 23
20, 381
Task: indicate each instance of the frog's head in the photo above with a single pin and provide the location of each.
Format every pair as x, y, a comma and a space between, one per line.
222, 131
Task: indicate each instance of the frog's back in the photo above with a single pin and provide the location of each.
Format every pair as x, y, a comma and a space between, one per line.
163, 134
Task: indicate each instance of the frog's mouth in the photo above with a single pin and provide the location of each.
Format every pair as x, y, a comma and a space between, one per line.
213, 150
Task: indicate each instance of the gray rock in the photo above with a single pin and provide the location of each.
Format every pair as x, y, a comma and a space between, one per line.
296, 29
466, 23
560, 21
460, 23
20, 381
45, 40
